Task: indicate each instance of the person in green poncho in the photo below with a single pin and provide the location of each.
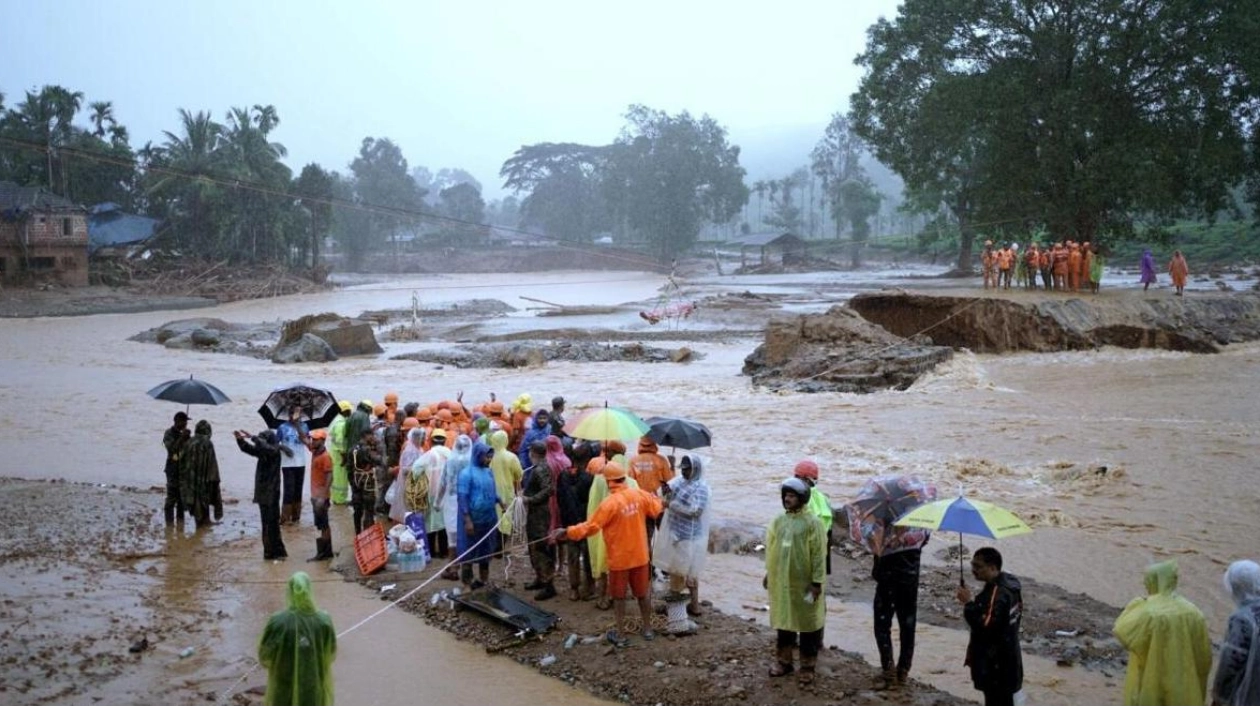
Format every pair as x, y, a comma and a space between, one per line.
338, 448
199, 477
297, 648
795, 571
1170, 653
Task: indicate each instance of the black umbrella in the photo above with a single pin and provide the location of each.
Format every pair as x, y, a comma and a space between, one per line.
319, 407
189, 391
678, 432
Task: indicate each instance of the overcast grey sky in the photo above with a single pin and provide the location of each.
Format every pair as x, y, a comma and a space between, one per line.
455, 84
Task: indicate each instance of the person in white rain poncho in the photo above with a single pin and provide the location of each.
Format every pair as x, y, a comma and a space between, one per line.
411, 451
1238, 671
448, 495
681, 546
432, 464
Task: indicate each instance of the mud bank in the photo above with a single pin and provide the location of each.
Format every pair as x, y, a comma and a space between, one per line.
1039, 321
838, 351
725, 662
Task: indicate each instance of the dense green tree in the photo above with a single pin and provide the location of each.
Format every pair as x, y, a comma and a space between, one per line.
463, 202
563, 180
1077, 115
388, 197
667, 174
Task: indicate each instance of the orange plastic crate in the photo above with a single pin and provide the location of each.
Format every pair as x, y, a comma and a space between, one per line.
370, 550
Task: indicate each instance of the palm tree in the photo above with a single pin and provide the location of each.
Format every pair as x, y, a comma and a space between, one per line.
180, 181
266, 117
760, 187
772, 186
47, 117
102, 113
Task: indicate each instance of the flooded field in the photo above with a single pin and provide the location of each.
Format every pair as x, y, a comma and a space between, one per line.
1176, 432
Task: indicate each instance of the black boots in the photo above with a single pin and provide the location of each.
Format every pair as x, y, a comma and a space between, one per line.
547, 591
323, 550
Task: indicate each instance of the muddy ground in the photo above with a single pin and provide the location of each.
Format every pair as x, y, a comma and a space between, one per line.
85, 592
727, 660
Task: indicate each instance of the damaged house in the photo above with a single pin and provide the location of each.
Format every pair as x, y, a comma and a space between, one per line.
42, 236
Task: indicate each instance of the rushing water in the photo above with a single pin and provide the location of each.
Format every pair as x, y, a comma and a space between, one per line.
1176, 431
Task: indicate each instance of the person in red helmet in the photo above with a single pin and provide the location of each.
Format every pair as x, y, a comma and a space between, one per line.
807, 470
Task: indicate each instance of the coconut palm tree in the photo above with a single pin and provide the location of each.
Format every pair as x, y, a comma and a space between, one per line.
179, 180
102, 113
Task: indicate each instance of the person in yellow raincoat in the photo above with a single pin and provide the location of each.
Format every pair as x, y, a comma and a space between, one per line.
795, 571
595, 543
1170, 654
507, 480
297, 648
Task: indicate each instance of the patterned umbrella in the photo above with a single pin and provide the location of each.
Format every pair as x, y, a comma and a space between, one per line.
319, 407
880, 502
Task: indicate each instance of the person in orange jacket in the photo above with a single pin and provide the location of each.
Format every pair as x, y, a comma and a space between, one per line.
622, 517
651, 470
1179, 271
988, 265
1074, 266
1005, 260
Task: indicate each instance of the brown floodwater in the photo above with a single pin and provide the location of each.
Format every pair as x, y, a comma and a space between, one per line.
1176, 432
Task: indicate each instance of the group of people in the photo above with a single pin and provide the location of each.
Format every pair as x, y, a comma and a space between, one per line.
1170, 654
798, 560
1066, 266
1178, 270
614, 522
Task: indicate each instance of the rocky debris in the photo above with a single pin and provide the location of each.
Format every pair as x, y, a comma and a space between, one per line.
209, 334
521, 355
838, 351
1198, 323
728, 535
347, 337
309, 348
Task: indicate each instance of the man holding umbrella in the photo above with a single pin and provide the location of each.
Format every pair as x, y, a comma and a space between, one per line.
175, 439
993, 653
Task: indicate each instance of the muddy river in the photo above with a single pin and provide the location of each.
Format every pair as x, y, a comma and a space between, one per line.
1176, 432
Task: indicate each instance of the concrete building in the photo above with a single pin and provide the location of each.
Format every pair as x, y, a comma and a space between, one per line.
42, 237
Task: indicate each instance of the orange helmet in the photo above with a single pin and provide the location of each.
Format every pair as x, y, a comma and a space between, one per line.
806, 469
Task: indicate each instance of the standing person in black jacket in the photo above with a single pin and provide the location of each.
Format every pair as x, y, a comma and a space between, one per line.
997, 668
896, 574
265, 446
573, 491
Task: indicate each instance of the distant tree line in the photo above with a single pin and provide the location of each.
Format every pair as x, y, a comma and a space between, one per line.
1095, 120
222, 188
